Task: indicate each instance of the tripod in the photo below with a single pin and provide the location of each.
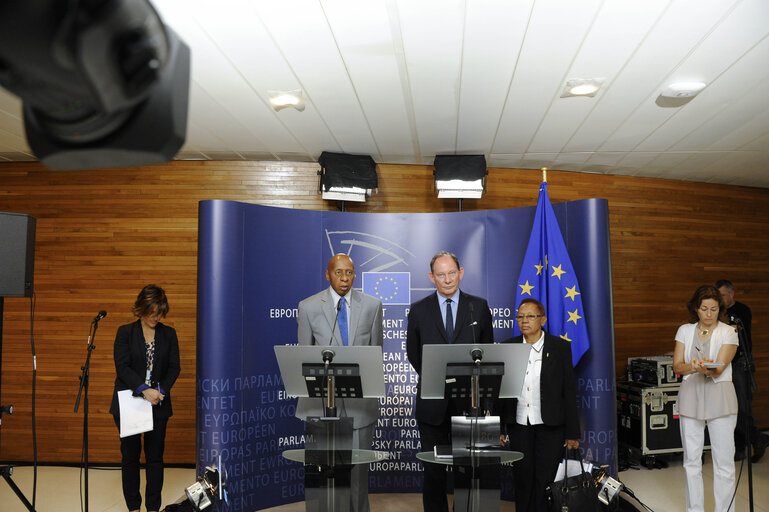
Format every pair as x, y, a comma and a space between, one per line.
6, 470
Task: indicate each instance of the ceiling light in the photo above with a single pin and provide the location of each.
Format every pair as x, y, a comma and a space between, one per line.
282, 99
682, 89
460, 176
679, 93
581, 87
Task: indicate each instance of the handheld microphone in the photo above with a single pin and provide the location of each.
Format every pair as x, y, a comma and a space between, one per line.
473, 323
98, 317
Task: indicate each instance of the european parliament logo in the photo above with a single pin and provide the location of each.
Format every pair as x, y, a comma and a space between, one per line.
393, 288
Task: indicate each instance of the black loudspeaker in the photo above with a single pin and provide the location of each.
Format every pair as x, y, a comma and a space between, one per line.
17, 254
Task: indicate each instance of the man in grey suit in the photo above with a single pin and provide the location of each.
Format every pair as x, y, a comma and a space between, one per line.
341, 316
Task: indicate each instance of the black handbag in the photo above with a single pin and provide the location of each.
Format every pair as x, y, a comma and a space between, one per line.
573, 494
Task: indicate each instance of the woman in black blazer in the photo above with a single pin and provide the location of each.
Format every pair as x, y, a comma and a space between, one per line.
544, 419
146, 362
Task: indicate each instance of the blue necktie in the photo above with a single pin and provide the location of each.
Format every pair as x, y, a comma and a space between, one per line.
449, 321
343, 320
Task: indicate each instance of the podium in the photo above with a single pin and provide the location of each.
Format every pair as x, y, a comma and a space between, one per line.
478, 372
328, 373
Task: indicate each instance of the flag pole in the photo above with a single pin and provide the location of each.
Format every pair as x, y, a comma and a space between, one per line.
544, 174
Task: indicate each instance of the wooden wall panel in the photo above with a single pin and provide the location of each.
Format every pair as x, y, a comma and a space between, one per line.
102, 235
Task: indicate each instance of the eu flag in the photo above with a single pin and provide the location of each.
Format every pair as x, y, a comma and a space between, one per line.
392, 288
548, 276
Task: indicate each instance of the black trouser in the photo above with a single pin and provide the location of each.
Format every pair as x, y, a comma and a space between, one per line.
130, 448
745, 424
542, 449
434, 489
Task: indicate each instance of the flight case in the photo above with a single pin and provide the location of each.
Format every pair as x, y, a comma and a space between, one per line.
647, 418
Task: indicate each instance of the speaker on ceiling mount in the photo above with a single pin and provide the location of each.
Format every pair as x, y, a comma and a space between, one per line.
17, 254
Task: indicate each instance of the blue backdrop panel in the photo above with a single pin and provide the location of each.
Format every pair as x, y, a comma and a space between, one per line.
256, 263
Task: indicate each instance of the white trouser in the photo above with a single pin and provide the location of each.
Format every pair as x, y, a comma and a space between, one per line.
721, 432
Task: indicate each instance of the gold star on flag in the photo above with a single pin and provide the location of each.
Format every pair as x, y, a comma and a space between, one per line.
565, 336
571, 292
573, 317
539, 268
526, 288
558, 272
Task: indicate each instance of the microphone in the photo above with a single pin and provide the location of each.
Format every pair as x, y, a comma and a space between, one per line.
98, 317
476, 354
473, 323
336, 319
328, 355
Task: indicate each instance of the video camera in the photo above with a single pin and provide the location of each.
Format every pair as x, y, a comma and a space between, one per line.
104, 83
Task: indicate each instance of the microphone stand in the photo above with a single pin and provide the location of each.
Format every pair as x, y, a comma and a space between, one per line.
329, 405
747, 366
83, 391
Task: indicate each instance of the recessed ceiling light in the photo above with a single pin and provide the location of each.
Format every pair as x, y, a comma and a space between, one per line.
581, 87
282, 99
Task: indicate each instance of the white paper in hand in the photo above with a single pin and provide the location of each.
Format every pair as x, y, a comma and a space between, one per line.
135, 414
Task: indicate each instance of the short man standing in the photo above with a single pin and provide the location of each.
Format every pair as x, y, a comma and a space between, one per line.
739, 314
342, 316
447, 316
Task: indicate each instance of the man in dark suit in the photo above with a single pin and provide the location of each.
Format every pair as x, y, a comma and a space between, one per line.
342, 316
447, 316
544, 420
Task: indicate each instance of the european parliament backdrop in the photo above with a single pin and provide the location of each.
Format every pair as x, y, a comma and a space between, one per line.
255, 263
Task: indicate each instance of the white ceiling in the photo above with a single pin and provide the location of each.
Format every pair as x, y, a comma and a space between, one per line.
404, 80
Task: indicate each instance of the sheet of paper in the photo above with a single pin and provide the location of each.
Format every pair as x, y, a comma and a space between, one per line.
135, 414
573, 469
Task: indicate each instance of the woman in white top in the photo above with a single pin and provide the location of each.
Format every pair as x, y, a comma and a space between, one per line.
703, 355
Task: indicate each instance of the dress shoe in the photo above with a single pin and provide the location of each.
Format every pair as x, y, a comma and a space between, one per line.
760, 448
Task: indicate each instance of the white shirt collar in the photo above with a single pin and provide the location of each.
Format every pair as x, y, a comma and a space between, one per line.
335, 297
539, 344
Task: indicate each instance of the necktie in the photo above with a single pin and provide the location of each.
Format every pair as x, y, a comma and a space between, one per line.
343, 321
449, 321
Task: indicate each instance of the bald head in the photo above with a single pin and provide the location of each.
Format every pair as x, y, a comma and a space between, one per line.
340, 273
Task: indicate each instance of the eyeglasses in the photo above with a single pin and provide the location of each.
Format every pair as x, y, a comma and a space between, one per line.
443, 275
527, 317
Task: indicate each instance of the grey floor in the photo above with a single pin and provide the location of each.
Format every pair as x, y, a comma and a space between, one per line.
662, 490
